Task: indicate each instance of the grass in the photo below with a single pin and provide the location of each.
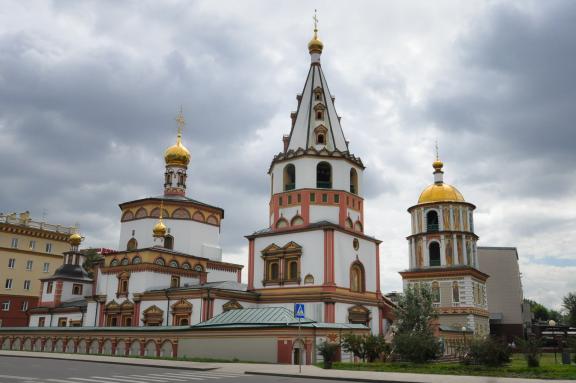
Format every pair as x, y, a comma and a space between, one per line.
517, 368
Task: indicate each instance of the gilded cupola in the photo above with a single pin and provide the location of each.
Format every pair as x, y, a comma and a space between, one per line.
177, 154
315, 45
440, 191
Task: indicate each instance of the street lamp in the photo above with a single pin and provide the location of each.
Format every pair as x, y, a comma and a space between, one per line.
464, 334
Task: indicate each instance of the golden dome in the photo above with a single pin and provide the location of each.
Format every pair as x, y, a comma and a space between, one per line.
177, 154
440, 192
75, 239
315, 45
437, 165
159, 229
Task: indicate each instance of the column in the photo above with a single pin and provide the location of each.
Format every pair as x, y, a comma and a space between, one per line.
425, 252
455, 249
442, 251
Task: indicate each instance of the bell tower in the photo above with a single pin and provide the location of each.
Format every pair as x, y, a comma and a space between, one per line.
177, 158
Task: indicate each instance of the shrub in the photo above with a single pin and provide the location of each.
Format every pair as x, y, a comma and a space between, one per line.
487, 352
365, 347
354, 344
531, 349
328, 352
416, 347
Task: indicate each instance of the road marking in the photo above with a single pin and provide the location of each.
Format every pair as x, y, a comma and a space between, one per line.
88, 380
17, 377
60, 381
141, 377
185, 378
207, 373
163, 378
118, 379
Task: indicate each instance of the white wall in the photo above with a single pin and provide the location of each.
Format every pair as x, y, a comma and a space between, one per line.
324, 213
219, 275
344, 255
34, 318
189, 236
67, 290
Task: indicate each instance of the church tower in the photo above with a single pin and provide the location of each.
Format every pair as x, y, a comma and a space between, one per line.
315, 250
443, 257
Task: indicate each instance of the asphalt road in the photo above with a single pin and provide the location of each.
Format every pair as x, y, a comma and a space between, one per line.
37, 370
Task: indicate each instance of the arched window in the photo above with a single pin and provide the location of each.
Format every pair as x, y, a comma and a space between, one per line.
174, 263
282, 223
293, 270
127, 216
435, 292
289, 177
434, 254
114, 262
198, 216
455, 292
132, 244
274, 271
136, 260
309, 279
141, 213
320, 139
186, 266
160, 261
357, 281
169, 242
324, 175
353, 181
348, 223
432, 221
181, 213
297, 220
358, 226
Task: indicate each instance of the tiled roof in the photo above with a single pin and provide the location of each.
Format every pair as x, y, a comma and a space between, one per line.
257, 317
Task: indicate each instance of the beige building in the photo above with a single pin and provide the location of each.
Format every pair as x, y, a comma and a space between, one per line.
29, 250
509, 316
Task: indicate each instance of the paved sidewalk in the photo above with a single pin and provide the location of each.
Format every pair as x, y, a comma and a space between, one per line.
311, 372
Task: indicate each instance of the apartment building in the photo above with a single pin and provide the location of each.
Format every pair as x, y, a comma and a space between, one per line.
29, 250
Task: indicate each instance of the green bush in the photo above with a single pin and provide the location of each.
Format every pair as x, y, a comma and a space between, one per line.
416, 347
328, 352
531, 349
487, 352
365, 347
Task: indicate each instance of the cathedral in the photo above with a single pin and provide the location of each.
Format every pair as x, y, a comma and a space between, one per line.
168, 269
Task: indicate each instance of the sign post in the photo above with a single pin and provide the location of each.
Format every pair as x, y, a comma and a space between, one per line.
299, 314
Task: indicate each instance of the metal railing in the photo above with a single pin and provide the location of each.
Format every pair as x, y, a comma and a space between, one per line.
324, 185
23, 220
432, 227
289, 187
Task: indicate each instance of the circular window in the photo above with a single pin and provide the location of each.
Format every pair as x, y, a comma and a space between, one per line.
160, 261
356, 244
198, 268
125, 261
136, 260
114, 262
186, 266
173, 264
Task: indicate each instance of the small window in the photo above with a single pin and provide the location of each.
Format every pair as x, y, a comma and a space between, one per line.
46, 267
320, 139
62, 322
32, 245
136, 260
324, 197
6, 306
455, 292
434, 253
312, 197
11, 263
309, 279
8, 284
114, 262
169, 242
48, 247
174, 263
274, 271
198, 268
289, 199
160, 261
353, 181
336, 198
323, 175
435, 292
14, 243
174, 281
132, 244
289, 177
299, 198
133, 232
280, 200
29, 265
186, 266
123, 286
49, 287
41, 322
319, 115
77, 289
124, 261
357, 280
432, 221
24, 306
27, 285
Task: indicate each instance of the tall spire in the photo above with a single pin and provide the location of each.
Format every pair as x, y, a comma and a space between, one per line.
437, 165
315, 46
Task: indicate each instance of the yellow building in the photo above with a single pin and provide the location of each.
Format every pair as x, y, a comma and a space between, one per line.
29, 250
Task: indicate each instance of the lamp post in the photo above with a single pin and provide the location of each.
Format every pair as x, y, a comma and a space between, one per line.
464, 335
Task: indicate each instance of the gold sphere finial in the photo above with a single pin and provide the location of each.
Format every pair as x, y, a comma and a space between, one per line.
178, 154
159, 230
75, 239
315, 45
437, 165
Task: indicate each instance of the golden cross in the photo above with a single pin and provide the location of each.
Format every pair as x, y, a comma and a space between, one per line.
437, 150
180, 121
315, 18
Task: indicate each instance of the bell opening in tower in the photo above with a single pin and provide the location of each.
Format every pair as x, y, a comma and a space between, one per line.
432, 221
289, 177
434, 253
324, 176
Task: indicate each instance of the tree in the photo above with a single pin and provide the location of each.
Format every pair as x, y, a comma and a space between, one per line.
354, 343
365, 347
569, 303
542, 313
91, 257
414, 339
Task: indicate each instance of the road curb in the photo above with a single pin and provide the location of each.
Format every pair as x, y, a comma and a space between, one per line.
333, 378
124, 363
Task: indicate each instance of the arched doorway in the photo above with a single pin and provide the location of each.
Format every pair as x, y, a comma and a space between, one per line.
434, 254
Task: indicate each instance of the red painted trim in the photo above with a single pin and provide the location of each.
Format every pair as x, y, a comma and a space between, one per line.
210, 308
329, 312
377, 267
326, 277
380, 319
330, 242
305, 213
101, 315
250, 264
136, 318
239, 276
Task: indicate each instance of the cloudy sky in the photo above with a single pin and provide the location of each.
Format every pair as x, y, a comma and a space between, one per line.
89, 91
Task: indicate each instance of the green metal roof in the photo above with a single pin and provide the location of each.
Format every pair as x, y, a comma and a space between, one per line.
268, 316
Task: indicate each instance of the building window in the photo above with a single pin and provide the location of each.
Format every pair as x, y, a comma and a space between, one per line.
49, 287
132, 244
153, 316
181, 312
46, 267
231, 305
62, 322
282, 264
434, 254
169, 242
160, 261
41, 322
8, 284
312, 197
14, 243
357, 278
324, 175
48, 247
293, 272
24, 306
136, 260
320, 139
309, 279
114, 262
455, 292
289, 177
11, 263
29, 265
123, 282
282, 223
324, 197
353, 181
432, 221
358, 226
273, 271
32, 245
6, 306
27, 285
359, 315
77, 289
320, 132
435, 292
174, 281
289, 199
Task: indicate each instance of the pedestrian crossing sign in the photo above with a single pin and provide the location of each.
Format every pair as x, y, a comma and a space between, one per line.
299, 310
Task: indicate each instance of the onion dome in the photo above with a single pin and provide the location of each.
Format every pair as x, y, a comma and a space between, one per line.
75, 239
440, 191
159, 229
177, 154
315, 45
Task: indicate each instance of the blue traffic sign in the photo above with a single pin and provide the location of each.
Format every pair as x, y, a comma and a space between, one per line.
299, 310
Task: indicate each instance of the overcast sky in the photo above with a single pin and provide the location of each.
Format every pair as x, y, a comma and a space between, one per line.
89, 91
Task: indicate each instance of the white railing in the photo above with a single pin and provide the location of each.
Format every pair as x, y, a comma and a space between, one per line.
13, 219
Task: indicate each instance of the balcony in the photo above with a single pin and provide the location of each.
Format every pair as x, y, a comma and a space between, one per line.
288, 187
432, 227
323, 185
